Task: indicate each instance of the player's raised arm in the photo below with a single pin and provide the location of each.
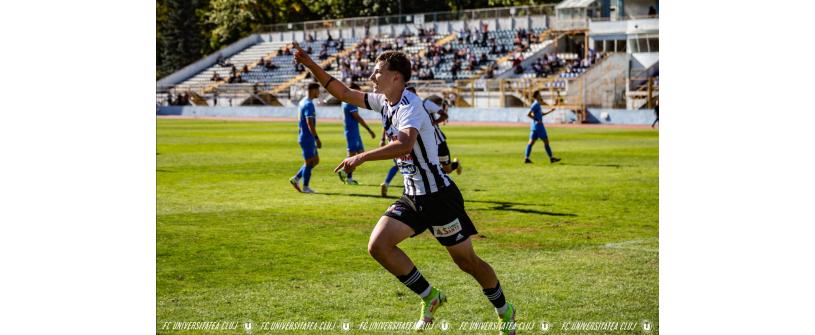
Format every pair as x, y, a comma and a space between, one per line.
332, 85
550, 111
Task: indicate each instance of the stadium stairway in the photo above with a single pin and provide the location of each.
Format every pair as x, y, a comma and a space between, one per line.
248, 57
298, 78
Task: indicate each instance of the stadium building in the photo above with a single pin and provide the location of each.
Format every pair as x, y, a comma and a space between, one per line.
597, 61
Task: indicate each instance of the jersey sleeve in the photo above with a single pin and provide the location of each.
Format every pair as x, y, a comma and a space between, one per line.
410, 117
308, 110
374, 101
536, 108
431, 107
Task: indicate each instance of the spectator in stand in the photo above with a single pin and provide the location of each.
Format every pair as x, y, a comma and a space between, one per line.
245, 68
455, 68
490, 72
472, 62
323, 54
309, 38
538, 68
309, 50
483, 59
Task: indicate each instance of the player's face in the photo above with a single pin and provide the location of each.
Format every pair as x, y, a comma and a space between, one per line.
382, 78
314, 94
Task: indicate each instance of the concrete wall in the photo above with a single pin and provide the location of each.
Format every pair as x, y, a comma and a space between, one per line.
620, 116
605, 82
516, 115
511, 115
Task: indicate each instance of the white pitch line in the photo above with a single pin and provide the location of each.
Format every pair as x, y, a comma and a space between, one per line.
631, 245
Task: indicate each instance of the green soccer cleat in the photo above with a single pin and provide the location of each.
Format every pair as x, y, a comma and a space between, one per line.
342, 176
508, 325
429, 306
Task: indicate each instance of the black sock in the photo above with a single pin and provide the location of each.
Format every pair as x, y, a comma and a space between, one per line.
496, 295
414, 281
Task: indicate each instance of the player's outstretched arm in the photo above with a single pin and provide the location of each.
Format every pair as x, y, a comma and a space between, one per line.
442, 116
333, 86
550, 111
384, 136
365, 125
312, 128
401, 146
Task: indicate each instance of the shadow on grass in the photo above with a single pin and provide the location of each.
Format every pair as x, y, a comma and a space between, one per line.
358, 195
509, 206
498, 205
597, 165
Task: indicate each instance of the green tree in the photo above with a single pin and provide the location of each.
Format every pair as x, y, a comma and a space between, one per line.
179, 37
231, 20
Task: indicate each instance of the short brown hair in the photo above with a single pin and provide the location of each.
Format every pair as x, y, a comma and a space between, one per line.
313, 86
396, 61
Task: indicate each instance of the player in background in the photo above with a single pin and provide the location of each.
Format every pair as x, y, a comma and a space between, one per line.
352, 122
383, 188
433, 108
308, 139
537, 130
431, 199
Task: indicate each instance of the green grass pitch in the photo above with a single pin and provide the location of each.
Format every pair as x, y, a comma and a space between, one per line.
572, 241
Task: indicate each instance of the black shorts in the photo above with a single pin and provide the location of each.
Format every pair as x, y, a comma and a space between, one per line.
444, 153
441, 212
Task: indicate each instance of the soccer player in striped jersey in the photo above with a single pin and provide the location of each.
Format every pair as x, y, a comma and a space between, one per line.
433, 108
537, 130
431, 201
352, 122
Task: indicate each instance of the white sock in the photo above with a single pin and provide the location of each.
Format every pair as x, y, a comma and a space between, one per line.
426, 292
503, 309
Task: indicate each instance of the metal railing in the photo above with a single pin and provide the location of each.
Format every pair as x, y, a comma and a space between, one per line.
418, 19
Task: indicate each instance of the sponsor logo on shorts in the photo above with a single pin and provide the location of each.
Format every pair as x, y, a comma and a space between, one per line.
392, 209
448, 229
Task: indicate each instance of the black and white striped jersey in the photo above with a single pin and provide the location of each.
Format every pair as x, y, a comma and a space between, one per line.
433, 109
420, 168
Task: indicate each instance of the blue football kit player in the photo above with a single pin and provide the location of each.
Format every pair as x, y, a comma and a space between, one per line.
537, 130
355, 147
308, 139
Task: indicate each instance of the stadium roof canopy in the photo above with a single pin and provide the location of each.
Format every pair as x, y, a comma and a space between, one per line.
574, 4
